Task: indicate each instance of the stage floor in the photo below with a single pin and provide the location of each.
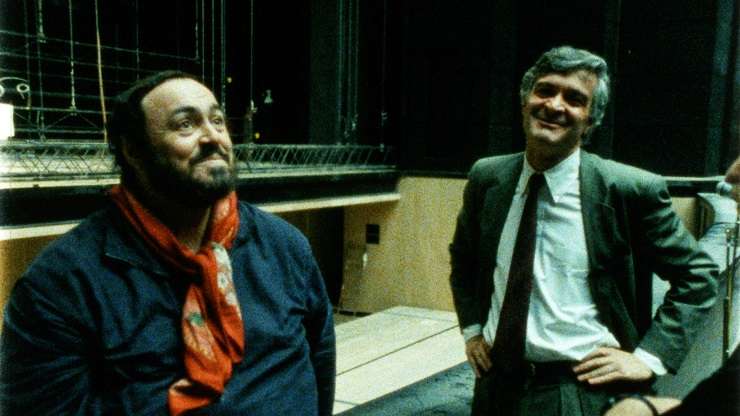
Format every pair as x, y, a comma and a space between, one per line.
386, 353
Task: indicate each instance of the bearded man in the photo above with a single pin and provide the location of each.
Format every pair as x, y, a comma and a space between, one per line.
175, 298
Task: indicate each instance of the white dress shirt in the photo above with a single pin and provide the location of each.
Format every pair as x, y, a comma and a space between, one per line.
563, 320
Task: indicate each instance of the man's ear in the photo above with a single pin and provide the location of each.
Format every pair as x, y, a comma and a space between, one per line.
589, 129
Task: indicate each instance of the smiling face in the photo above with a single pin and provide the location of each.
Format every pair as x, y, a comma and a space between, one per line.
556, 116
188, 157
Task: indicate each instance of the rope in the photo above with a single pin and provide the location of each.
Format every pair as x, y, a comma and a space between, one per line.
100, 75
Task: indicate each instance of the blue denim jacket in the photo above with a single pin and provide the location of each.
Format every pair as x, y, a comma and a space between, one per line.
93, 326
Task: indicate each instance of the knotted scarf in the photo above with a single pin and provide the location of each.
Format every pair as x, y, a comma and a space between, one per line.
212, 328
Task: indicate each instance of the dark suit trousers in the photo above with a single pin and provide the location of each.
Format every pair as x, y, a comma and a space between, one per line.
549, 390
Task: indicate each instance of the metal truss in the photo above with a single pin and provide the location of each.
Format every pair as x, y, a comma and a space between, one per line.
37, 160
255, 158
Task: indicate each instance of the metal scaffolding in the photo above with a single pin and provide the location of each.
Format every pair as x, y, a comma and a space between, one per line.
35, 160
58, 72
52, 74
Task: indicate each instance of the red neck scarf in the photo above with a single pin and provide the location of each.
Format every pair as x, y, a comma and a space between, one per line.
212, 328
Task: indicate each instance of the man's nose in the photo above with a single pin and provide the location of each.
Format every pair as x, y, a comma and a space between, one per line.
210, 132
555, 103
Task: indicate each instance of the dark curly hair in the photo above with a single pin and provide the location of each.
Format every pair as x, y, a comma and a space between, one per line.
127, 121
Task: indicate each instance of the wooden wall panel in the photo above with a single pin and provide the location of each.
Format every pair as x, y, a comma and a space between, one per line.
687, 209
15, 256
410, 265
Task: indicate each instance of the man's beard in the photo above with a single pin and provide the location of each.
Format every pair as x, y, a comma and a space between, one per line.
183, 187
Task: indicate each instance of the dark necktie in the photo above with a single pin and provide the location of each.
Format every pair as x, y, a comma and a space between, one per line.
508, 347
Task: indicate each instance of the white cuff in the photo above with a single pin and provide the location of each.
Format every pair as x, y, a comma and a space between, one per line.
472, 331
651, 361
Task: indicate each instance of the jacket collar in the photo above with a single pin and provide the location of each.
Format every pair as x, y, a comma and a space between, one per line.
123, 244
498, 195
596, 210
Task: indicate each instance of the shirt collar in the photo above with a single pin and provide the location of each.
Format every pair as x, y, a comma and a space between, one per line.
559, 179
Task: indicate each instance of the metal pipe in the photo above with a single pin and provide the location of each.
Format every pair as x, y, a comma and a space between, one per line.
92, 45
733, 236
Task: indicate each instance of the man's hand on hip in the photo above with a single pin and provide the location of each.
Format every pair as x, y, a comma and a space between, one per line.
478, 352
606, 365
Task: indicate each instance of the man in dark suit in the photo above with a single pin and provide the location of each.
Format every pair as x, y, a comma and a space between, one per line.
553, 291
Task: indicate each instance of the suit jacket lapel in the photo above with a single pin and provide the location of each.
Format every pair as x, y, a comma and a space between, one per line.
496, 204
602, 230
598, 215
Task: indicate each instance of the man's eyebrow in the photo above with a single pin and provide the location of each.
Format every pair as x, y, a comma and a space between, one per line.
184, 109
189, 109
568, 89
575, 92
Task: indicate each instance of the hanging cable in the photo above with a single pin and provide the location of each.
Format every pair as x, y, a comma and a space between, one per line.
383, 113
339, 131
202, 45
27, 46
40, 123
355, 67
40, 19
223, 54
251, 108
349, 54
213, 44
196, 29
136, 38
251, 54
100, 75
72, 104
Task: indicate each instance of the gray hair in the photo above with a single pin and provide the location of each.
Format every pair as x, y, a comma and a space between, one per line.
567, 59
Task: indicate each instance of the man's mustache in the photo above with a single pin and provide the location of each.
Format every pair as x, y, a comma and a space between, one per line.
558, 119
207, 152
